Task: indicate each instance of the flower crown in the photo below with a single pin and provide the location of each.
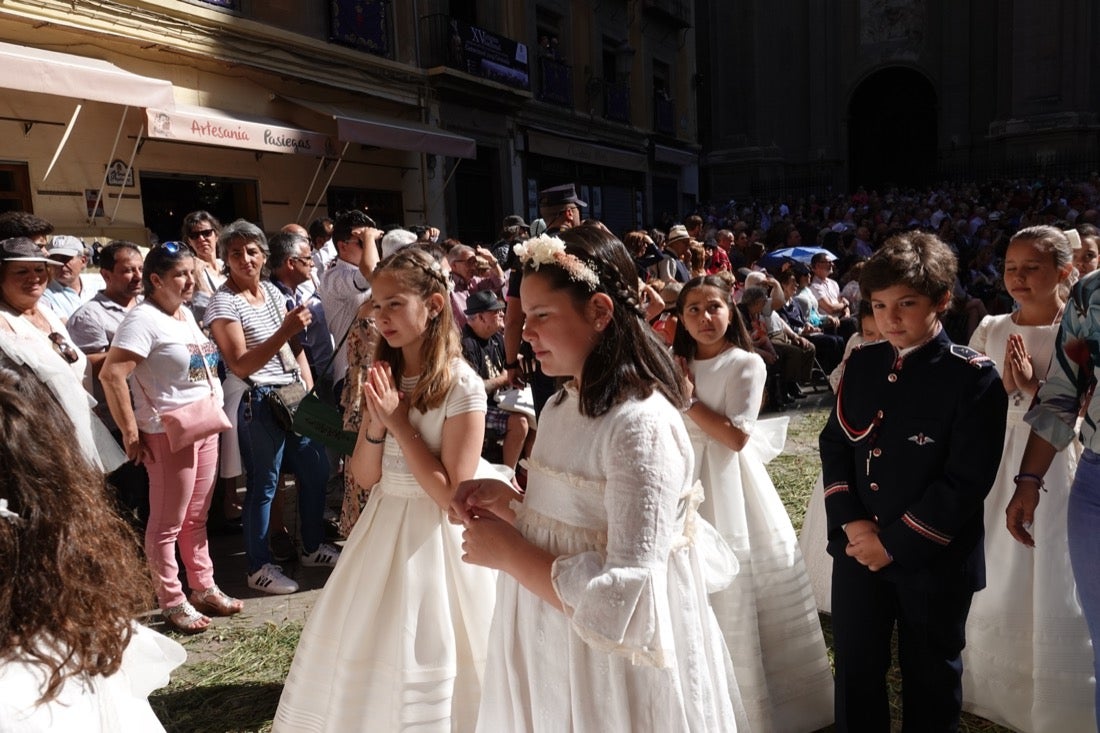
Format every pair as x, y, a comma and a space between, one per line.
549, 250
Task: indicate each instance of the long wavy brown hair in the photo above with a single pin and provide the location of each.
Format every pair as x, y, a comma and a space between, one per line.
420, 274
71, 573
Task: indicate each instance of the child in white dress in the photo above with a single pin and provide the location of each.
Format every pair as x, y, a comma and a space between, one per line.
1028, 662
398, 636
602, 621
814, 539
768, 614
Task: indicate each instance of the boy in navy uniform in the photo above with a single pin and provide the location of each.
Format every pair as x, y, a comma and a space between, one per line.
908, 456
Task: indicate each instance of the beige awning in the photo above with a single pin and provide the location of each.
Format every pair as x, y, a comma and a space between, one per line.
37, 70
356, 127
206, 126
79, 77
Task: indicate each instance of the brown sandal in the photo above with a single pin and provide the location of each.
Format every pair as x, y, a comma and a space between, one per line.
185, 619
213, 602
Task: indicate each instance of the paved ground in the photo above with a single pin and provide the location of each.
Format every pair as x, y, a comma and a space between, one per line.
227, 552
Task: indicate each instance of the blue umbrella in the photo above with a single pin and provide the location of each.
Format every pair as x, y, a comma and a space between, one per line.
798, 254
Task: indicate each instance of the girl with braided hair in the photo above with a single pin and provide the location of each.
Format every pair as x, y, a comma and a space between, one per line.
602, 620
397, 639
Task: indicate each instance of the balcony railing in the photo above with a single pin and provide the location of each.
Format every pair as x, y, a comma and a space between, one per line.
664, 115
617, 102
555, 82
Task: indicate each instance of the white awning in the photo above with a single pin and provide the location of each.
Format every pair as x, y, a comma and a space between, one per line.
79, 77
356, 127
208, 126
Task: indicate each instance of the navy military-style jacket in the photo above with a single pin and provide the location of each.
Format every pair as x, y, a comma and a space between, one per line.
914, 444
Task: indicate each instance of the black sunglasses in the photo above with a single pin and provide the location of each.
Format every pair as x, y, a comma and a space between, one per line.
200, 233
64, 348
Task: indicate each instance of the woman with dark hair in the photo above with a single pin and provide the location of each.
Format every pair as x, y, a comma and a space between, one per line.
160, 350
257, 338
602, 559
71, 657
200, 231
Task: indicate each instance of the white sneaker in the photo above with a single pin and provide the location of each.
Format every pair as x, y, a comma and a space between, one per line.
270, 579
325, 556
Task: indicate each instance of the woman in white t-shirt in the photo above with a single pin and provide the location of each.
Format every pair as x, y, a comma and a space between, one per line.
170, 363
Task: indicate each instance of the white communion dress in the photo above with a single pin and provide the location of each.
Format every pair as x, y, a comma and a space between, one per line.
767, 614
637, 647
1028, 660
813, 541
396, 641
115, 704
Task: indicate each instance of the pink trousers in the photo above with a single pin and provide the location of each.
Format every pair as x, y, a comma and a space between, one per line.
180, 487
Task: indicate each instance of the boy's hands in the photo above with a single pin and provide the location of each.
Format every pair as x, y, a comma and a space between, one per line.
865, 546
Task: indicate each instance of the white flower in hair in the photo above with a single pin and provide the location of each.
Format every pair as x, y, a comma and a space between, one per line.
546, 249
8, 514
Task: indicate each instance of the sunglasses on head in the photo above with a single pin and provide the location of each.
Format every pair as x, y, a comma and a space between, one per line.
64, 348
200, 233
175, 248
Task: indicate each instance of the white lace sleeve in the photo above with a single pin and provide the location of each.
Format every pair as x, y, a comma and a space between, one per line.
619, 602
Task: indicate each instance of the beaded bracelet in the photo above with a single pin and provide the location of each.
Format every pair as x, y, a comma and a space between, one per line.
374, 441
1031, 478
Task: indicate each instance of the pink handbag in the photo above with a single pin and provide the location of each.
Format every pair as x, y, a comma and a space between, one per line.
195, 421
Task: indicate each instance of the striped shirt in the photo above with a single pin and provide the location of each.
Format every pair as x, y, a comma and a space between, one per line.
259, 322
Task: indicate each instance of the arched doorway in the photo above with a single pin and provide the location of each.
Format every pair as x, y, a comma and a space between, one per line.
892, 123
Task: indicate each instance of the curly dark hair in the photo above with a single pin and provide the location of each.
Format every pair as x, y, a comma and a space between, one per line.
630, 360
71, 574
917, 259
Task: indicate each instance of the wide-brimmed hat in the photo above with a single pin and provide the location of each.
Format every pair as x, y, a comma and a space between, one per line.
482, 301
676, 234
559, 196
21, 249
515, 221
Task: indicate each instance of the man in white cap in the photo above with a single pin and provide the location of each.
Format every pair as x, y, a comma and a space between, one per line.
67, 290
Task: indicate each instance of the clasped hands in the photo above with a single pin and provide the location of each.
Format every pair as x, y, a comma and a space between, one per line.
481, 505
865, 546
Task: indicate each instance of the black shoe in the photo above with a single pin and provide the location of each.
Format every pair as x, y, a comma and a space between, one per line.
795, 392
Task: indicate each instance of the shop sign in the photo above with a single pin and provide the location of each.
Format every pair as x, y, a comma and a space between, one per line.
90, 195
119, 175
213, 127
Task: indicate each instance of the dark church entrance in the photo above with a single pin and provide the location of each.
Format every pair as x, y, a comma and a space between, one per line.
892, 122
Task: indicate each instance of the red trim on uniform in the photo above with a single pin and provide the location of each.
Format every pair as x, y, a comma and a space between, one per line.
836, 488
924, 530
853, 434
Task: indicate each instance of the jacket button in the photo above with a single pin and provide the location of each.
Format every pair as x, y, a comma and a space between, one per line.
892, 378
876, 452
874, 486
